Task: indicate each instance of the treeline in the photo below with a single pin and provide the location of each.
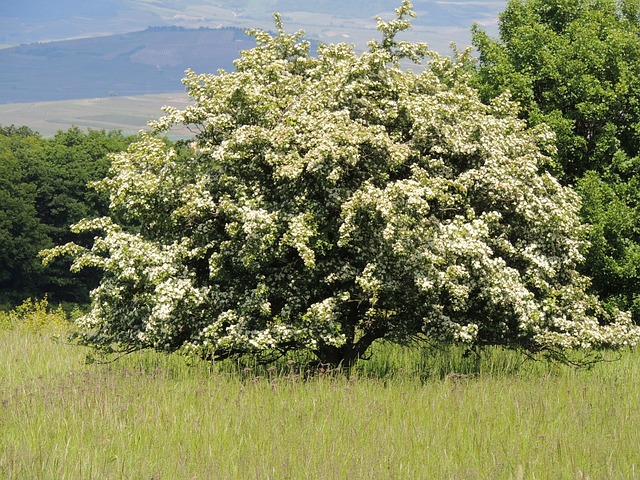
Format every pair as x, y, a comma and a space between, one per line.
43, 190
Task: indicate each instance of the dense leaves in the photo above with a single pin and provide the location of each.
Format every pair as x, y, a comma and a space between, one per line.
575, 65
43, 190
21, 235
331, 200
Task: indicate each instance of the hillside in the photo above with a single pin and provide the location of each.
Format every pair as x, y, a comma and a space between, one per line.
69, 50
439, 21
144, 62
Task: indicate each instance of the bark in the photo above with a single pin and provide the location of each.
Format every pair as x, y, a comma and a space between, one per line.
348, 354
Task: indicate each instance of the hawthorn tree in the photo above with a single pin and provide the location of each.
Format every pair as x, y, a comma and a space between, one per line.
328, 201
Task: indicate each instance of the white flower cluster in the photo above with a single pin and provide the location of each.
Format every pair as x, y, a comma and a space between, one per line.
331, 200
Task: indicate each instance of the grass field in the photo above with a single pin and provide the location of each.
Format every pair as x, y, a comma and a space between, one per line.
128, 114
399, 416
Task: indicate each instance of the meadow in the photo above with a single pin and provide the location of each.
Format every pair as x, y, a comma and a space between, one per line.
406, 413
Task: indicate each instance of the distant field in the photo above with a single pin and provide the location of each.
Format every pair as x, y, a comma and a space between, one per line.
128, 114
138, 63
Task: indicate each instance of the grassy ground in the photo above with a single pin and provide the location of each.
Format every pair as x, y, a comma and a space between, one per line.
150, 416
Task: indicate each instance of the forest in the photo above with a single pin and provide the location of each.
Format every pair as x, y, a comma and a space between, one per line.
44, 188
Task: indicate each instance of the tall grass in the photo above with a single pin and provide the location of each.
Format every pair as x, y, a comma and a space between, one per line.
396, 416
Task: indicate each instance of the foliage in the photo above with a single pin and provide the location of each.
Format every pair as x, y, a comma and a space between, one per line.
575, 66
333, 200
35, 316
21, 235
68, 163
43, 190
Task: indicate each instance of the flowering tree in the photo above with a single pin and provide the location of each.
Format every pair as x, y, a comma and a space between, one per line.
328, 201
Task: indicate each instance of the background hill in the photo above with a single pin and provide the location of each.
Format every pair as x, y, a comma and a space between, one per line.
70, 50
149, 61
439, 21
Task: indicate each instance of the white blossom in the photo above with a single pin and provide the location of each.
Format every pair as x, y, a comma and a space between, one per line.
334, 198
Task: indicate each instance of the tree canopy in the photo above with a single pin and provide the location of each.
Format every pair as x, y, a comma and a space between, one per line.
43, 190
21, 235
328, 201
575, 66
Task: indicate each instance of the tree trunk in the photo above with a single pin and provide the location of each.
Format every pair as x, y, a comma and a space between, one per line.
348, 354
